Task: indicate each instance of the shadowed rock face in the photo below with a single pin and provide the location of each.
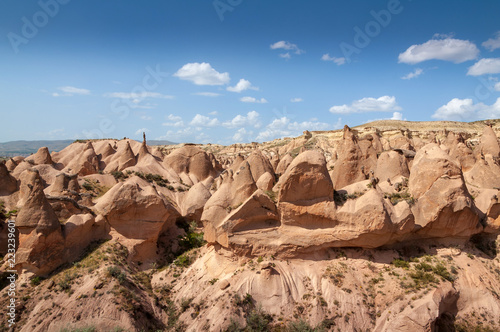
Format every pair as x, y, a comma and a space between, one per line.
8, 184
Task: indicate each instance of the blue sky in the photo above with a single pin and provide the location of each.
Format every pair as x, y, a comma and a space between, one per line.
229, 71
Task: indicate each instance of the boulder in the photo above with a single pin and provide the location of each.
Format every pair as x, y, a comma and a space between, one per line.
192, 161
41, 157
306, 179
444, 207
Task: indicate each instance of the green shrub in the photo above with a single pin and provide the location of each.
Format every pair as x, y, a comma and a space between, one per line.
401, 263
116, 272
300, 326
258, 320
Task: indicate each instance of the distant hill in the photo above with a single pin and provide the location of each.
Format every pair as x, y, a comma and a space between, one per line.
25, 148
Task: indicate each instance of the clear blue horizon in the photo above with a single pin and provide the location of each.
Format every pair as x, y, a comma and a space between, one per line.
229, 71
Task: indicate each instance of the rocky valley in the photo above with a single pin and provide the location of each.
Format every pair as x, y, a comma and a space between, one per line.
389, 226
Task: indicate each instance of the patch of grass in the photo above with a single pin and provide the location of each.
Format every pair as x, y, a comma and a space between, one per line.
117, 273
401, 263
272, 195
401, 196
80, 329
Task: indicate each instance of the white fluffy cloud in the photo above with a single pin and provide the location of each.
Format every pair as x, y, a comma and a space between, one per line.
397, 116
202, 74
242, 85
207, 94
285, 127
492, 43
381, 104
141, 130
497, 86
253, 100
416, 73
448, 49
296, 100
174, 121
337, 61
287, 46
204, 121
465, 109
485, 66
70, 91
252, 119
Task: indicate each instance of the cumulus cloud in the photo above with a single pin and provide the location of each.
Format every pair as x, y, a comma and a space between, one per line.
207, 94
70, 91
242, 136
447, 49
337, 61
283, 126
465, 109
252, 119
174, 121
202, 74
416, 73
485, 66
253, 100
381, 104
242, 85
204, 121
287, 46
296, 100
397, 116
492, 43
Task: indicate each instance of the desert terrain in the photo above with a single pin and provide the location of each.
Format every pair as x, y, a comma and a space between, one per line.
388, 226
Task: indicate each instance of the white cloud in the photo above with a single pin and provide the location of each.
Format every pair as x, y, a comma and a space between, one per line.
338, 61
146, 117
70, 91
207, 94
213, 113
136, 97
416, 73
203, 121
175, 121
242, 85
285, 45
296, 100
242, 136
397, 116
285, 55
253, 100
381, 104
497, 86
141, 130
285, 127
485, 66
465, 109
202, 74
448, 49
492, 43
252, 119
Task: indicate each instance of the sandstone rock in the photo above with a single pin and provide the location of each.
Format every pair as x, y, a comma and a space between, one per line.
192, 161
391, 164
306, 179
265, 181
42, 156
353, 164
135, 210
256, 214
259, 164
489, 143
444, 207
234, 190
194, 201
285, 161
8, 184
